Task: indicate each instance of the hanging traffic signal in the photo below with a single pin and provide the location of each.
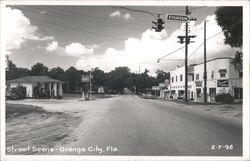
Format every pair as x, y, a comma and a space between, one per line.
158, 24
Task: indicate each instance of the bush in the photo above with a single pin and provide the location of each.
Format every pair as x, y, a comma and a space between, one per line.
19, 91
224, 98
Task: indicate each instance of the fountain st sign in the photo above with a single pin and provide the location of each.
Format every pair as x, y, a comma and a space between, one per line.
172, 17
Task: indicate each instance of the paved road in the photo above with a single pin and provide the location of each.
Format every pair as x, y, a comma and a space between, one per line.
149, 127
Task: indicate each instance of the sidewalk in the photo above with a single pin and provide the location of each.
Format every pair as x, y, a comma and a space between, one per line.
233, 110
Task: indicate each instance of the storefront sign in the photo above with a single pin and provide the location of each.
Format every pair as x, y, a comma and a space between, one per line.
198, 83
222, 83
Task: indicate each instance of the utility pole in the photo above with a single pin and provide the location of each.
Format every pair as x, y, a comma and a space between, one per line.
90, 92
205, 64
186, 58
187, 41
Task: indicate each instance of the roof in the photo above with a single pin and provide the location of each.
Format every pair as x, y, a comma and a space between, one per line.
34, 79
203, 62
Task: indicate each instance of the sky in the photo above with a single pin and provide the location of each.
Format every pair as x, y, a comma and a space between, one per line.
108, 36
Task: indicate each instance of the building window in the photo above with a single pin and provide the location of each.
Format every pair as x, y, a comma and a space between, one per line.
197, 76
222, 73
212, 74
172, 79
176, 78
240, 74
192, 77
181, 77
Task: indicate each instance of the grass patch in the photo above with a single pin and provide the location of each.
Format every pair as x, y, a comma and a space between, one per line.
16, 110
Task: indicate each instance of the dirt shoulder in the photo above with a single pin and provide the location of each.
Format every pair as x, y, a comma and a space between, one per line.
30, 126
37, 126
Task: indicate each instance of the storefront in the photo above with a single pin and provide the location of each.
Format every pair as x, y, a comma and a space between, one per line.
222, 77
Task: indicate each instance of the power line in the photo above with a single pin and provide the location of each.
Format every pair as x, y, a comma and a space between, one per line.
170, 53
74, 29
213, 36
152, 13
97, 19
70, 17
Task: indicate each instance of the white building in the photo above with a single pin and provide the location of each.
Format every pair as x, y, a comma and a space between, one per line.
222, 77
177, 82
46, 84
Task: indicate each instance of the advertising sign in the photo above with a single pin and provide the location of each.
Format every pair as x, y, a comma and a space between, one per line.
85, 78
222, 83
156, 88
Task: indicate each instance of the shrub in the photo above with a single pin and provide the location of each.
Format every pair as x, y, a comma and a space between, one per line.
224, 98
19, 91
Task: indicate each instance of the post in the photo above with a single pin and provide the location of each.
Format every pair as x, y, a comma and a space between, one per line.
186, 59
205, 65
90, 93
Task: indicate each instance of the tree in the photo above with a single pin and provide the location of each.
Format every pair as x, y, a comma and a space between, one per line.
57, 73
15, 72
230, 20
72, 79
12, 73
39, 70
162, 76
99, 78
117, 79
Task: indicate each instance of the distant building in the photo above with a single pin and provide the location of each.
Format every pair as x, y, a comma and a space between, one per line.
222, 77
50, 86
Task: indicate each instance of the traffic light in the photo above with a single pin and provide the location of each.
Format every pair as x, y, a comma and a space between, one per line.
158, 24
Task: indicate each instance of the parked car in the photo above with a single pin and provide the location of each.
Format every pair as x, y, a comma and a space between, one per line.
148, 96
11, 96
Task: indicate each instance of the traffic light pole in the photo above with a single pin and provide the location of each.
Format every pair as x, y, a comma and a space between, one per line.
186, 58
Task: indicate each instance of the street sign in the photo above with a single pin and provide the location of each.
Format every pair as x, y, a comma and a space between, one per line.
183, 18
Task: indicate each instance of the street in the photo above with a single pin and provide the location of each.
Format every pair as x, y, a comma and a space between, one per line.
135, 126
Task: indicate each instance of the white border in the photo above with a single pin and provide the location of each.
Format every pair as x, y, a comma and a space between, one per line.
246, 83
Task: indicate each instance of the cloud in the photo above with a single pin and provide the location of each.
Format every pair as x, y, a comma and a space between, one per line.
52, 46
77, 49
116, 13
47, 38
19, 29
146, 50
127, 16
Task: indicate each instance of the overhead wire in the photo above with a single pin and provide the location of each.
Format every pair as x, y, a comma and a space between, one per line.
74, 28
212, 37
170, 53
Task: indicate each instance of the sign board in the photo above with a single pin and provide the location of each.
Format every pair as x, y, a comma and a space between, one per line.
182, 18
222, 83
162, 85
85, 78
100, 89
156, 88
